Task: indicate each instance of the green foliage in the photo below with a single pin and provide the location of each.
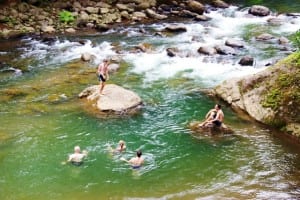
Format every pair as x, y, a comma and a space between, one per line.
284, 93
10, 21
296, 40
272, 99
66, 17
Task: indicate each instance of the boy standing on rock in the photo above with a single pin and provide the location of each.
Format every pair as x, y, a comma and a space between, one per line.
103, 75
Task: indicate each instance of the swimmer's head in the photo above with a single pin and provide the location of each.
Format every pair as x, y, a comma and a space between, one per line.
121, 142
77, 149
139, 153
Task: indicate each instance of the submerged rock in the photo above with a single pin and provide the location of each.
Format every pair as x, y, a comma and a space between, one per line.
116, 99
210, 130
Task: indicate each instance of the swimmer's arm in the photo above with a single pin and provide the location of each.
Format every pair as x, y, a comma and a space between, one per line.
85, 152
128, 161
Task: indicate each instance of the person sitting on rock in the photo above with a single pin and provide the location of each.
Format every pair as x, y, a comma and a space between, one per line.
218, 120
208, 117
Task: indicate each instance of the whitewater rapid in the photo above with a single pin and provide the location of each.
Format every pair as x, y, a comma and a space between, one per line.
231, 23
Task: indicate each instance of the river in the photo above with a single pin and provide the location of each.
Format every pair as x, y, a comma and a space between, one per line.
42, 119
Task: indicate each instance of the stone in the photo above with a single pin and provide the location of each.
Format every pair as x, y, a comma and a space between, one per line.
172, 52
264, 36
246, 61
234, 43
258, 10
138, 15
70, 30
225, 50
92, 10
220, 4
152, 14
207, 50
86, 57
210, 130
283, 40
195, 6
116, 99
176, 28
47, 29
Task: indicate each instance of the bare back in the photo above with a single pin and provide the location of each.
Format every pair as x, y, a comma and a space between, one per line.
220, 115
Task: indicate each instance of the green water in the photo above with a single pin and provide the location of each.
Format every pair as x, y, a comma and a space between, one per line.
37, 135
39, 129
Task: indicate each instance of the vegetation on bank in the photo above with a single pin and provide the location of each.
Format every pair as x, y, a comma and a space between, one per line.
283, 95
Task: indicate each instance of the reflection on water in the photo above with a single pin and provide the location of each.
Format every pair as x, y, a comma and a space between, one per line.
42, 120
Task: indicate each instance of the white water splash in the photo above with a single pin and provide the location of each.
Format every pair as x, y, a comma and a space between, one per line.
156, 65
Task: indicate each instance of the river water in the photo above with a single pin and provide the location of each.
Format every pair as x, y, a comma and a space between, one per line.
42, 119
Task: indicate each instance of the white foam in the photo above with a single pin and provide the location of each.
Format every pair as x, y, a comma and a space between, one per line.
225, 23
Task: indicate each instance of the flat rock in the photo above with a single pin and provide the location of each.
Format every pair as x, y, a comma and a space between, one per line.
116, 99
210, 130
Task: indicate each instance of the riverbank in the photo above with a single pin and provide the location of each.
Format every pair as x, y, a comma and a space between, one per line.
19, 18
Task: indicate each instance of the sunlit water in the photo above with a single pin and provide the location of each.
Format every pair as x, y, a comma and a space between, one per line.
41, 125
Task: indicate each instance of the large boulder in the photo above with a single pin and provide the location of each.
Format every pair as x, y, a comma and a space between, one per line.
115, 100
196, 7
270, 96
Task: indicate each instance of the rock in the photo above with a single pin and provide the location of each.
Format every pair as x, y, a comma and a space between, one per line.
283, 40
152, 14
104, 10
116, 99
195, 6
207, 50
176, 28
87, 57
70, 30
210, 130
258, 10
264, 36
268, 96
47, 29
293, 129
92, 10
187, 13
220, 4
234, 43
225, 50
138, 16
202, 18
246, 61
123, 7
172, 52
102, 27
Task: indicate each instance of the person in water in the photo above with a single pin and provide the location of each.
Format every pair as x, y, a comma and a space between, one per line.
103, 75
120, 148
135, 162
219, 118
77, 157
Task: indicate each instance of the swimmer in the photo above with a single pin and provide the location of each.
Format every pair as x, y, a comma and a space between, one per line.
135, 162
120, 148
77, 157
